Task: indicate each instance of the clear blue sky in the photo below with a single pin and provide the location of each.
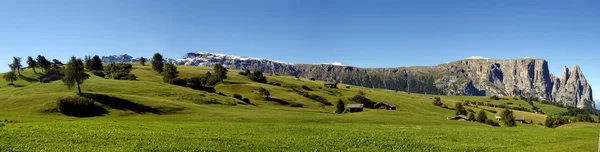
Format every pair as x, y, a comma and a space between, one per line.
379, 33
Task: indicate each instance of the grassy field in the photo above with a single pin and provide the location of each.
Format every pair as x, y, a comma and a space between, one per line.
149, 115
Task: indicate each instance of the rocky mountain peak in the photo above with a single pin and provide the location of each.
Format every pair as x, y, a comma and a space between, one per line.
479, 76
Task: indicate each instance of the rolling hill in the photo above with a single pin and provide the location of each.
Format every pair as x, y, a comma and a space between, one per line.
150, 115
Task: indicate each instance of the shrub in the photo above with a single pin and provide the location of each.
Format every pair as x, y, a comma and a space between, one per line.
495, 97
314, 97
264, 92
515, 98
509, 103
237, 96
246, 100
539, 123
98, 73
471, 110
296, 105
307, 88
79, 107
491, 122
179, 82
222, 94
313, 79
437, 101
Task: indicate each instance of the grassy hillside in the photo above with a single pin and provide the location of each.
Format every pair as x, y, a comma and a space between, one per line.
149, 115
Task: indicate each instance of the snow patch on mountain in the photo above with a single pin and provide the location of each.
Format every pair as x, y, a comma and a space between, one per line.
478, 57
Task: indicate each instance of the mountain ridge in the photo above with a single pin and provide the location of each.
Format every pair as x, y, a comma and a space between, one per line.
474, 76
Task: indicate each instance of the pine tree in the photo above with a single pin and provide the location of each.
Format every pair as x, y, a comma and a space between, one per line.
143, 61
157, 63
481, 116
170, 72
43, 63
340, 107
16, 65
220, 72
264, 92
96, 63
508, 118
74, 74
88, 63
10, 77
460, 110
471, 117
31, 63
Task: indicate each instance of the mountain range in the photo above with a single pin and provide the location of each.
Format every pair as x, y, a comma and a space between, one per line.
475, 76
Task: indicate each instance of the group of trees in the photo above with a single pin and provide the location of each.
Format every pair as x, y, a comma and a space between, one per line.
360, 98
255, 76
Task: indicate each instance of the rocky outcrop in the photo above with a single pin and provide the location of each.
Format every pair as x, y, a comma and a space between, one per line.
476, 76
119, 58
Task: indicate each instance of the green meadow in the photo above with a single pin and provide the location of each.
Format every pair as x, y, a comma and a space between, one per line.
150, 115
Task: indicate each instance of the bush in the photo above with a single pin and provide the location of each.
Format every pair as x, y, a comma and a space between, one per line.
222, 94
237, 96
314, 97
246, 100
98, 73
44, 80
491, 122
264, 92
179, 82
437, 101
79, 107
495, 97
296, 105
481, 116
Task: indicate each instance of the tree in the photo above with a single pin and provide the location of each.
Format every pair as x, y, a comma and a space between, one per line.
74, 73
257, 76
143, 61
10, 77
220, 72
437, 101
16, 65
340, 107
43, 63
31, 63
96, 63
471, 117
460, 110
481, 116
157, 63
508, 118
88, 62
170, 72
57, 62
264, 92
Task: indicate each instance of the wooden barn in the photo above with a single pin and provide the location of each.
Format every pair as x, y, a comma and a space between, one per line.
520, 119
355, 107
385, 106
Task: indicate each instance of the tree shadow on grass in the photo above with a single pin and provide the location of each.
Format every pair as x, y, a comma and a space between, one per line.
237, 82
282, 102
121, 104
28, 79
83, 111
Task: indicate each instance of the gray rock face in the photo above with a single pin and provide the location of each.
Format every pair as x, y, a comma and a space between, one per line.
478, 77
119, 58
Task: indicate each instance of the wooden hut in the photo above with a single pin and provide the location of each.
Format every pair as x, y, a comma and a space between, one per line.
459, 117
355, 107
385, 106
331, 84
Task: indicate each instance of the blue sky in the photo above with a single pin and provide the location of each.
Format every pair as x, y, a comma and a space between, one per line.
378, 33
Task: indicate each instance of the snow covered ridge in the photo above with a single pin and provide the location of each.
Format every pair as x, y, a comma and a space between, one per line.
478, 57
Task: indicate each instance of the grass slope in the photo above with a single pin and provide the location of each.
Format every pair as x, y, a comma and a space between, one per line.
182, 119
